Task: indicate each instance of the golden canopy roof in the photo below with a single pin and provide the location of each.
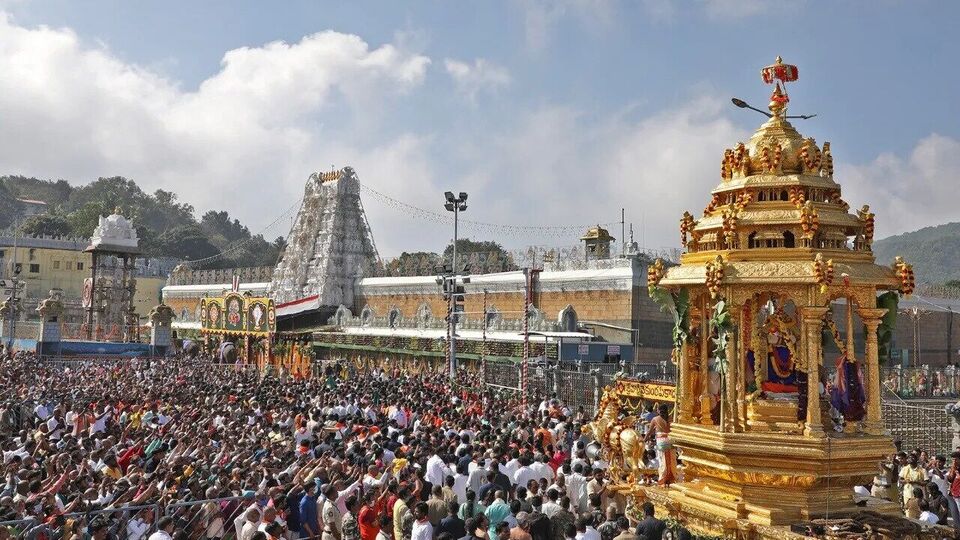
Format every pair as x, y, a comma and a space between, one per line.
776, 208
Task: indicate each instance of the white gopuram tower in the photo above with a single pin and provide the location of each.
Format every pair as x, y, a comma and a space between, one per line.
329, 245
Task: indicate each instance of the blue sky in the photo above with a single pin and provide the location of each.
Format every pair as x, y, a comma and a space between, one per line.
546, 112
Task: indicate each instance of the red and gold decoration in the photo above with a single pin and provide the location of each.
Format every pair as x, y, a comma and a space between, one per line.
867, 217
751, 299
809, 220
655, 273
904, 272
823, 272
234, 313
714, 270
686, 227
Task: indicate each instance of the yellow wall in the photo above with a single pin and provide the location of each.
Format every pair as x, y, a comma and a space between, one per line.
56, 268
61, 269
148, 294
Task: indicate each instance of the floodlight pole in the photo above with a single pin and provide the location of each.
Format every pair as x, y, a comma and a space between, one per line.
455, 204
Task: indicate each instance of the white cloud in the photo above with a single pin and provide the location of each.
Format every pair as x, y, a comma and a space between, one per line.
906, 193
481, 76
245, 140
559, 166
541, 16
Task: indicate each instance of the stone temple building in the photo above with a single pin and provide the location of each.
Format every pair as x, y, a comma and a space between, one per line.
596, 305
592, 309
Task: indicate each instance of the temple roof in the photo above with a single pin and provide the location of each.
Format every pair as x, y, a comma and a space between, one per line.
776, 209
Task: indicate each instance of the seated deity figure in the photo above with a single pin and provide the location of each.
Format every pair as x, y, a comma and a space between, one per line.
780, 343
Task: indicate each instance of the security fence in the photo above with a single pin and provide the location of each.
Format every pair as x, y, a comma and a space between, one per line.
922, 424
923, 381
209, 518
578, 385
128, 522
914, 422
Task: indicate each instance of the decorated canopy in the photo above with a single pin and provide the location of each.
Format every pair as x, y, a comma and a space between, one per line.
774, 254
238, 314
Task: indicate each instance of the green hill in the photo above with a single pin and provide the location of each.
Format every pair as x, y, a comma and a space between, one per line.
166, 226
933, 251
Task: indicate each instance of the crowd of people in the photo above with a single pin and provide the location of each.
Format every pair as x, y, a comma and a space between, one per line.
174, 449
927, 487
157, 450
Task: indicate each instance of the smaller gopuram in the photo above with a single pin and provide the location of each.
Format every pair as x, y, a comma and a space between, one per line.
109, 291
776, 271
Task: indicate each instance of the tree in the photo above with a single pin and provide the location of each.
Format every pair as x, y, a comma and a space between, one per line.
9, 207
186, 242
218, 224
85, 219
54, 193
418, 263
483, 256
47, 224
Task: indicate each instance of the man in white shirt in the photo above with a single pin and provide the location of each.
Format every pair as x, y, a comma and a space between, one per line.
460, 482
551, 506
437, 470
477, 477
541, 469
510, 468
139, 526
577, 489
524, 474
422, 529
585, 531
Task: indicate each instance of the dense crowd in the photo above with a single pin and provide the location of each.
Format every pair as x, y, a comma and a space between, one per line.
156, 450
184, 449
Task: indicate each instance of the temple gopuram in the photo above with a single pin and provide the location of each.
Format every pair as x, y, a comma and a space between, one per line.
772, 269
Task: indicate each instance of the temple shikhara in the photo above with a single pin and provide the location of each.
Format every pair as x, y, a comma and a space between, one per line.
774, 262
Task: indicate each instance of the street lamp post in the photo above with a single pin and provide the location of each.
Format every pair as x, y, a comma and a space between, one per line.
455, 204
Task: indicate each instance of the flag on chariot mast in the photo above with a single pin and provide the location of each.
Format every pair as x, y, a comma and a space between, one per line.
236, 283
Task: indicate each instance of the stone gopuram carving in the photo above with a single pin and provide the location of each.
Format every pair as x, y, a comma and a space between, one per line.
329, 244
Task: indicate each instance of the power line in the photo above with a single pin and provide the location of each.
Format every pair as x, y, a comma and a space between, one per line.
243, 243
498, 228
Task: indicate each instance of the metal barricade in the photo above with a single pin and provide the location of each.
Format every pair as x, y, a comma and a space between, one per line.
209, 518
502, 374
129, 522
919, 424
20, 528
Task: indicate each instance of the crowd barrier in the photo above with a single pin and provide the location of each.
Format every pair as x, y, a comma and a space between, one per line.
126, 522
208, 518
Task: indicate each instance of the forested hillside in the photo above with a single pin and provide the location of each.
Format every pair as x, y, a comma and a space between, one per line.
933, 251
167, 227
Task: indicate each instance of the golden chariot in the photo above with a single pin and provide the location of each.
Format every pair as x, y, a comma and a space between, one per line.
766, 279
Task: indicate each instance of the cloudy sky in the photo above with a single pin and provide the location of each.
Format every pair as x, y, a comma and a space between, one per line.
548, 112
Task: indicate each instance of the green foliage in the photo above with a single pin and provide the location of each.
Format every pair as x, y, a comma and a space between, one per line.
166, 227
888, 323
9, 207
934, 252
49, 224
54, 193
466, 248
721, 324
677, 304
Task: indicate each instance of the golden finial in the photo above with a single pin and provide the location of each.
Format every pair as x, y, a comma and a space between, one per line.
118, 211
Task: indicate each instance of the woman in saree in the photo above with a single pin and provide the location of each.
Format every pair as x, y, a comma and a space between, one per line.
659, 431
